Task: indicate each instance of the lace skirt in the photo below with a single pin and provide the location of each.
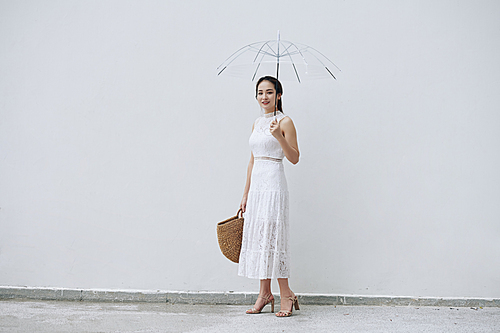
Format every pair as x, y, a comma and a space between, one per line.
264, 250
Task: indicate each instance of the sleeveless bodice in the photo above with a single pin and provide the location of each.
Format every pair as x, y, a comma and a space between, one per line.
262, 142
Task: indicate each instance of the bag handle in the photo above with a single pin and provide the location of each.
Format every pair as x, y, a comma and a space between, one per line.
238, 213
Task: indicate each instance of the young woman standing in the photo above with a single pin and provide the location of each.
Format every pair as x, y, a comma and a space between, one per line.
265, 250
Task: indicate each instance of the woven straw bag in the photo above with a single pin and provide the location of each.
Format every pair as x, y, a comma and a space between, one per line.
229, 234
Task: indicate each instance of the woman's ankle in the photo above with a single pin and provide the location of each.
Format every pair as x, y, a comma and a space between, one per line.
287, 295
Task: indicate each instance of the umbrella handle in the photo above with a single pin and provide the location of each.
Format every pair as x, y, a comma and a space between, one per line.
277, 73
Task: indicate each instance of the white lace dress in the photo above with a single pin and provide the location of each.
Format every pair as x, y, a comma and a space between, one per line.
264, 251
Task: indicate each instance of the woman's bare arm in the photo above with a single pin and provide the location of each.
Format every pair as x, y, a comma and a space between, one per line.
243, 205
284, 131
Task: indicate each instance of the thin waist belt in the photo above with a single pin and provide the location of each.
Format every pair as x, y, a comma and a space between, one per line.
266, 158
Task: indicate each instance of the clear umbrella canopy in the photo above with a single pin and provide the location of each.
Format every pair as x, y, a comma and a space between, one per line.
279, 58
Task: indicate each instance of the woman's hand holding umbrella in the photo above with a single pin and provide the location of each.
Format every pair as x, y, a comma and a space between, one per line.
275, 130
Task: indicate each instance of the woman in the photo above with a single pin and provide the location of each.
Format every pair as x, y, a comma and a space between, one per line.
264, 251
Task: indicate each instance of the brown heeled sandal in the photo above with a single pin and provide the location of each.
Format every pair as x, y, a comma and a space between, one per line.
295, 302
269, 299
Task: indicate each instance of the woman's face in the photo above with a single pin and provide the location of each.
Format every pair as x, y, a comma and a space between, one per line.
265, 96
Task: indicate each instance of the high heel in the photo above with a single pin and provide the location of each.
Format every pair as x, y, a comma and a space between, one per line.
269, 299
295, 303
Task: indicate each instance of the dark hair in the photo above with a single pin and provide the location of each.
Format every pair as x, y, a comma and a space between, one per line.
277, 86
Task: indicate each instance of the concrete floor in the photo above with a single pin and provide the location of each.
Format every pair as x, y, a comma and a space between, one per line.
59, 316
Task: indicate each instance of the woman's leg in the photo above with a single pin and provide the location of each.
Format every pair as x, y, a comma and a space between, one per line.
265, 291
285, 293
265, 287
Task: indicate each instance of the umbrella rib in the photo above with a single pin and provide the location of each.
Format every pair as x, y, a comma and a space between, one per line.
260, 61
255, 73
312, 48
285, 51
328, 70
330, 73
322, 61
232, 56
263, 52
291, 60
221, 70
295, 69
298, 50
236, 54
317, 58
227, 62
291, 53
322, 64
305, 47
258, 52
258, 66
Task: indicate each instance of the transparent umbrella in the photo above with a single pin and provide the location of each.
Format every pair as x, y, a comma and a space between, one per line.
287, 60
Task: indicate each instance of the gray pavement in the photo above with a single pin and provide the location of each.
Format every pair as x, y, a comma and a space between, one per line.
61, 316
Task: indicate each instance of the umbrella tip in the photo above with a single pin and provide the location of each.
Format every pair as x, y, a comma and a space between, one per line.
278, 35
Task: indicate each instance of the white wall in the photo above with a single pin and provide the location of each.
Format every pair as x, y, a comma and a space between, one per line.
120, 149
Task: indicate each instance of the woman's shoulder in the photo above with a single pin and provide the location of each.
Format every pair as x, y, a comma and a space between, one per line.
284, 118
287, 124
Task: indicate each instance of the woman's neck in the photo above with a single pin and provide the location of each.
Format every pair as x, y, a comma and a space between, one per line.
271, 113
